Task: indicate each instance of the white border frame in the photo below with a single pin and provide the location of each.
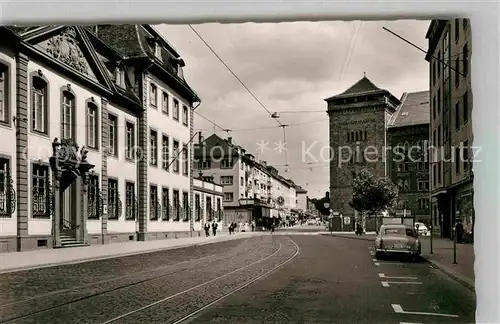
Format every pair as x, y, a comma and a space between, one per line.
485, 67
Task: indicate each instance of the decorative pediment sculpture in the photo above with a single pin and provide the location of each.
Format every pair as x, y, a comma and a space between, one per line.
67, 156
65, 48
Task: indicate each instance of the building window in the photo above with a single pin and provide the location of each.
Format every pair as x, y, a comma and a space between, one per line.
457, 29
165, 202
5, 192
466, 106
465, 22
457, 115
40, 201
466, 155
92, 126
434, 174
458, 158
180, 73
177, 205
130, 140
113, 135
153, 203
153, 148
4, 94
228, 196
226, 164
176, 161
119, 77
423, 204
457, 72
197, 206
185, 206
185, 115
226, 180
39, 101
158, 51
113, 200
434, 67
164, 103
205, 164
152, 95
423, 185
68, 115
465, 57
439, 102
176, 109
130, 202
434, 107
439, 135
94, 197
185, 160
439, 64
209, 209
165, 153
439, 171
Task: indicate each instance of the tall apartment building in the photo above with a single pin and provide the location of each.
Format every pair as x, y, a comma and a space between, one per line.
408, 134
450, 47
90, 120
253, 190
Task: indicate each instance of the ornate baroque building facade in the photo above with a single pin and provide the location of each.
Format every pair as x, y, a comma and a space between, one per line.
97, 115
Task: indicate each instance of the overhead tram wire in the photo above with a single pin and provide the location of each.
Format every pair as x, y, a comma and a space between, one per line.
234, 74
422, 50
243, 84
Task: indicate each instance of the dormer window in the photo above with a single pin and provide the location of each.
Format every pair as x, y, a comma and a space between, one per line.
119, 77
158, 50
179, 71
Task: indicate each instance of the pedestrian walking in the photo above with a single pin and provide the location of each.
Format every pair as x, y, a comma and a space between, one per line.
459, 231
253, 226
214, 228
272, 227
207, 229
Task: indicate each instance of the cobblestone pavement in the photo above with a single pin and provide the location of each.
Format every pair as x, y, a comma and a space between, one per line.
263, 279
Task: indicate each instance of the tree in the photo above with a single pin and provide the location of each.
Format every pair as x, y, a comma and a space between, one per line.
371, 195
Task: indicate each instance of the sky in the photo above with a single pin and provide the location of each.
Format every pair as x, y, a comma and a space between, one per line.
290, 68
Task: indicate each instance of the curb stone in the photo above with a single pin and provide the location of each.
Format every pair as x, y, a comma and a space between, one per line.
113, 256
468, 283
361, 238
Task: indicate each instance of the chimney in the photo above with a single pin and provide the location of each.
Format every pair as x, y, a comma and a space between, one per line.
229, 140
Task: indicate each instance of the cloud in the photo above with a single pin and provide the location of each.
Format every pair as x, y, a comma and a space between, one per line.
293, 67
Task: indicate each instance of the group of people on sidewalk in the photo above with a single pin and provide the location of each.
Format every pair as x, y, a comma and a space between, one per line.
213, 226
233, 227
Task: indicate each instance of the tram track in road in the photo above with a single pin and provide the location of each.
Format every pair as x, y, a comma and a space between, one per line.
186, 305
37, 305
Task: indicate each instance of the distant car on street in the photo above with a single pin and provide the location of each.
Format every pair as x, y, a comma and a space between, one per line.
422, 229
397, 239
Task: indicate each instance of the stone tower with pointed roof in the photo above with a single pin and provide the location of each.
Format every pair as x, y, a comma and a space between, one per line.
358, 136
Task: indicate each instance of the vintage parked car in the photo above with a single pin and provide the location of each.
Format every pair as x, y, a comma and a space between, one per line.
397, 239
422, 229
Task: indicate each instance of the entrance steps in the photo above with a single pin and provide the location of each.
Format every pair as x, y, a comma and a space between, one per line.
69, 241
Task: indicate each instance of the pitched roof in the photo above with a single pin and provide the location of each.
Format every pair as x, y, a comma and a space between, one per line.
362, 87
414, 110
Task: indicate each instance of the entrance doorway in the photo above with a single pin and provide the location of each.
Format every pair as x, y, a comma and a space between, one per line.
69, 205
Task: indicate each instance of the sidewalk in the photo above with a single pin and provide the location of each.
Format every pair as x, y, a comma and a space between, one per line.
442, 258
18, 261
368, 236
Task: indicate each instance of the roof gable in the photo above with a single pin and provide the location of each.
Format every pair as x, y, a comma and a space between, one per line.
362, 87
70, 47
414, 110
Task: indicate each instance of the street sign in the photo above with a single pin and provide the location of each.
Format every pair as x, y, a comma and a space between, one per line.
335, 214
347, 220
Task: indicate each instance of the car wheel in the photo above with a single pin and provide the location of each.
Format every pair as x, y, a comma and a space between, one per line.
379, 255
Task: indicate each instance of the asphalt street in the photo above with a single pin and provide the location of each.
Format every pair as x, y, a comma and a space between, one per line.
264, 279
